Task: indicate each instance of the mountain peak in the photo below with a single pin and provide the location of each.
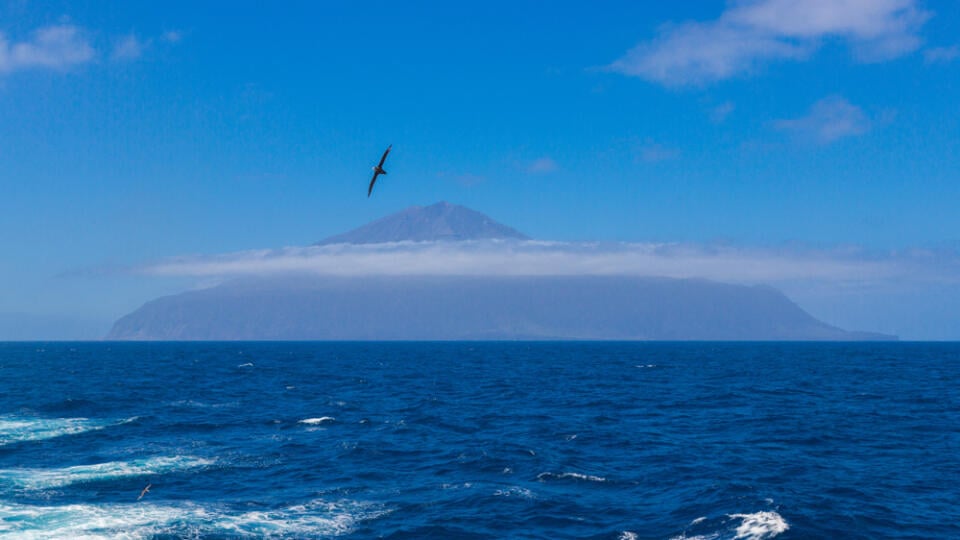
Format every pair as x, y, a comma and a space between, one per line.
439, 221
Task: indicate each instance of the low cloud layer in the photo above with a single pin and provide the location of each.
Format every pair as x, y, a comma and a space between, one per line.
514, 258
752, 33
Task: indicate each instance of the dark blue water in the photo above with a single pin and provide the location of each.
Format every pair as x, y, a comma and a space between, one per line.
480, 440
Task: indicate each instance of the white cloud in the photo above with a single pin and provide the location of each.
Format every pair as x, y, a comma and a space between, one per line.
542, 166
828, 120
52, 47
751, 33
694, 53
720, 113
531, 258
172, 36
944, 55
652, 152
128, 48
62, 46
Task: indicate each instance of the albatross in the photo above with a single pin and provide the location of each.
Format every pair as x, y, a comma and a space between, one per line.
378, 170
144, 492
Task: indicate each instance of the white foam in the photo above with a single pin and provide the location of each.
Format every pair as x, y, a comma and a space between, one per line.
140, 521
759, 526
515, 491
317, 421
53, 478
248, 364
189, 403
576, 476
628, 535
14, 429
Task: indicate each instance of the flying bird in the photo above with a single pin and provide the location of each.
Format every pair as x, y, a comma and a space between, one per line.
144, 492
378, 170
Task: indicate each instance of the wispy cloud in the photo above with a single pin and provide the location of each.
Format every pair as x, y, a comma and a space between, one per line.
542, 165
653, 152
938, 55
720, 113
132, 47
830, 119
63, 46
504, 258
129, 47
55, 47
172, 36
752, 33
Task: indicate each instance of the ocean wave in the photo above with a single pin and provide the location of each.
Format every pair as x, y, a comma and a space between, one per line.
140, 521
759, 526
515, 491
14, 429
35, 479
192, 404
568, 475
317, 421
756, 526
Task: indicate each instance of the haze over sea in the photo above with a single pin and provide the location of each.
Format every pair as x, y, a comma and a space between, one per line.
480, 440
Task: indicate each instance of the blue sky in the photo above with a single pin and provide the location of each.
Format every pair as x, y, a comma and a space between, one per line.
133, 132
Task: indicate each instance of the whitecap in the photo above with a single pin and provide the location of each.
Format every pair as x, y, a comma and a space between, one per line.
317, 421
574, 475
759, 526
35, 479
14, 429
515, 491
248, 364
628, 535
192, 404
188, 520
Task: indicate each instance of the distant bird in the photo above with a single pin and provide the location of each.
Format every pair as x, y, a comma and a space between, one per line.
144, 492
378, 170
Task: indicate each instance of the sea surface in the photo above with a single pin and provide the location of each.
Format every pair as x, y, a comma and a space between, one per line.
480, 440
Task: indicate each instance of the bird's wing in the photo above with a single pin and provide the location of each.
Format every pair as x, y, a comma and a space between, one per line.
384, 158
372, 181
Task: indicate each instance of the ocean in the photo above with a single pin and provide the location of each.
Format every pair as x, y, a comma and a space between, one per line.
662, 441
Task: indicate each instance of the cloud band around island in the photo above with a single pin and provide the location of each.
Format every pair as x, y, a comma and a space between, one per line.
535, 258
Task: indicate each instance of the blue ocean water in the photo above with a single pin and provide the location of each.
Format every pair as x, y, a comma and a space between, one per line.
480, 440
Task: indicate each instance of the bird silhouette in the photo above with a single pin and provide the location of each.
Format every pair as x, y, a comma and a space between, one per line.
144, 492
378, 170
